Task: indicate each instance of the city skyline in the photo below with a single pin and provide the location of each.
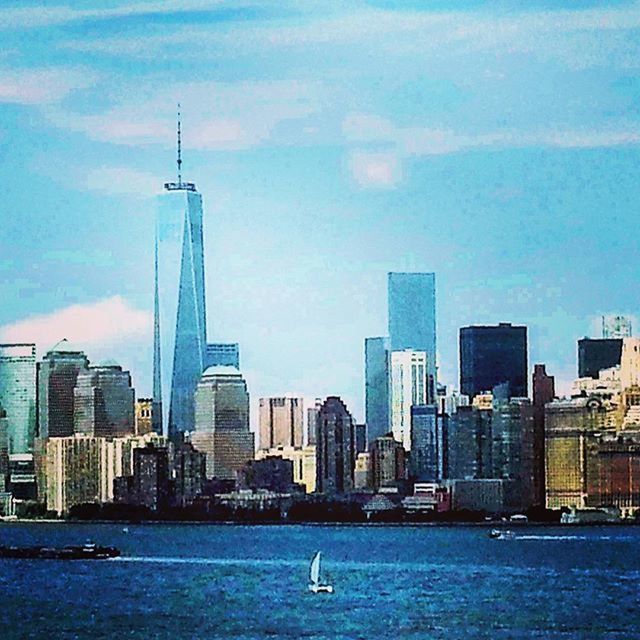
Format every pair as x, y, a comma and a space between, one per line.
416, 172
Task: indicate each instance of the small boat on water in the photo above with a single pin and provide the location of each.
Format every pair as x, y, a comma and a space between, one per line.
500, 534
315, 584
72, 552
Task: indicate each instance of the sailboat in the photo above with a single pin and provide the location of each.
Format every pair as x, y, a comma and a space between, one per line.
315, 586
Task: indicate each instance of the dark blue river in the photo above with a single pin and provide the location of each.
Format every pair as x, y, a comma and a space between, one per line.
209, 581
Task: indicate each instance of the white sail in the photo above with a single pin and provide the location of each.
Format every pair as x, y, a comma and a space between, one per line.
314, 571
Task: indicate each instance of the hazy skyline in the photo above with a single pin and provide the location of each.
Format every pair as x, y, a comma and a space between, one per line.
495, 147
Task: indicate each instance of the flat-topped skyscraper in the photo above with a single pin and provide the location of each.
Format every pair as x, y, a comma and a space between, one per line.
412, 318
179, 336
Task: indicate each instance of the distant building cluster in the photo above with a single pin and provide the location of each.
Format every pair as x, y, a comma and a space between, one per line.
72, 432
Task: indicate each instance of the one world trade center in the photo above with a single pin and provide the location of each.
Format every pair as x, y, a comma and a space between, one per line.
179, 332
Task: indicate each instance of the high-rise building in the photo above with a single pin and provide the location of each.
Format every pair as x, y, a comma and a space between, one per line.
190, 471
151, 476
425, 465
57, 376
387, 462
493, 355
104, 401
376, 386
595, 354
361, 437
18, 394
543, 393
616, 327
630, 363
143, 416
222, 422
179, 337
409, 375
412, 319
469, 443
4, 450
73, 470
335, 448
312, 418
281, 422
222, 353
512, 429
303, 460
572, 431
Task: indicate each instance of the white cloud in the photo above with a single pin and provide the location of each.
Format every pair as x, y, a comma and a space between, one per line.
41, 86
121, 180
224, 116
108, 321
41, 16
378, 170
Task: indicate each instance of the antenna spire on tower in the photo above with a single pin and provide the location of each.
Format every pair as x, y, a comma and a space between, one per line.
179, 162
179, 186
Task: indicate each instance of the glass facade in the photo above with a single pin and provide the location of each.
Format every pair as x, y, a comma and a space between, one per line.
57, 376
18, 394
491, 356
425, 444
412, 318
104, 402
223, 353
179, 309
376, 366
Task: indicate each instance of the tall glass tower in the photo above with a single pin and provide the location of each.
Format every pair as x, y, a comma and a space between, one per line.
412, 318
179, 336
18, 394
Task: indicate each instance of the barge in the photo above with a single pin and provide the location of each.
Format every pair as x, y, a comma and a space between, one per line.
72, 552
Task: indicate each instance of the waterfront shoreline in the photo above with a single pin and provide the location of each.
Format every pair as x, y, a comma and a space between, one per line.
493, 524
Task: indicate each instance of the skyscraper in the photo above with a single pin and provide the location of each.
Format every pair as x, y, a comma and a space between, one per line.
18, 394
179, 338
222, 421
387, 462
409, 373
104, 401
595, 354
224, 353
312, 418
57, 376
493, 355
412, 318
281, 422
543, 393
376, 367
335, 448
425, 444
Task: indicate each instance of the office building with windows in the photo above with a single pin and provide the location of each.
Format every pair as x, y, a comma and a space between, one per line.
492, 356
18, 394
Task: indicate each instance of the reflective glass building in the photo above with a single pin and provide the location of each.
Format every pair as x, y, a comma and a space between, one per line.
104, 401
18, 394
491, 356
376, 386
222, 353
179, 308
57, 376
412, 318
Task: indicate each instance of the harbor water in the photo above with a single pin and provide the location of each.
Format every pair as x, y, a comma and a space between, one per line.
232, 581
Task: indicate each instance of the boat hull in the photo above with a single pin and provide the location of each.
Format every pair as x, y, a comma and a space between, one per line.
320, 588
89, 552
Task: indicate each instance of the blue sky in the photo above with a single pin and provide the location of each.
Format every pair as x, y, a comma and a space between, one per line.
332, 142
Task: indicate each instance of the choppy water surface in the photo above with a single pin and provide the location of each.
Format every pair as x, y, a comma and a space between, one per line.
206, 581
